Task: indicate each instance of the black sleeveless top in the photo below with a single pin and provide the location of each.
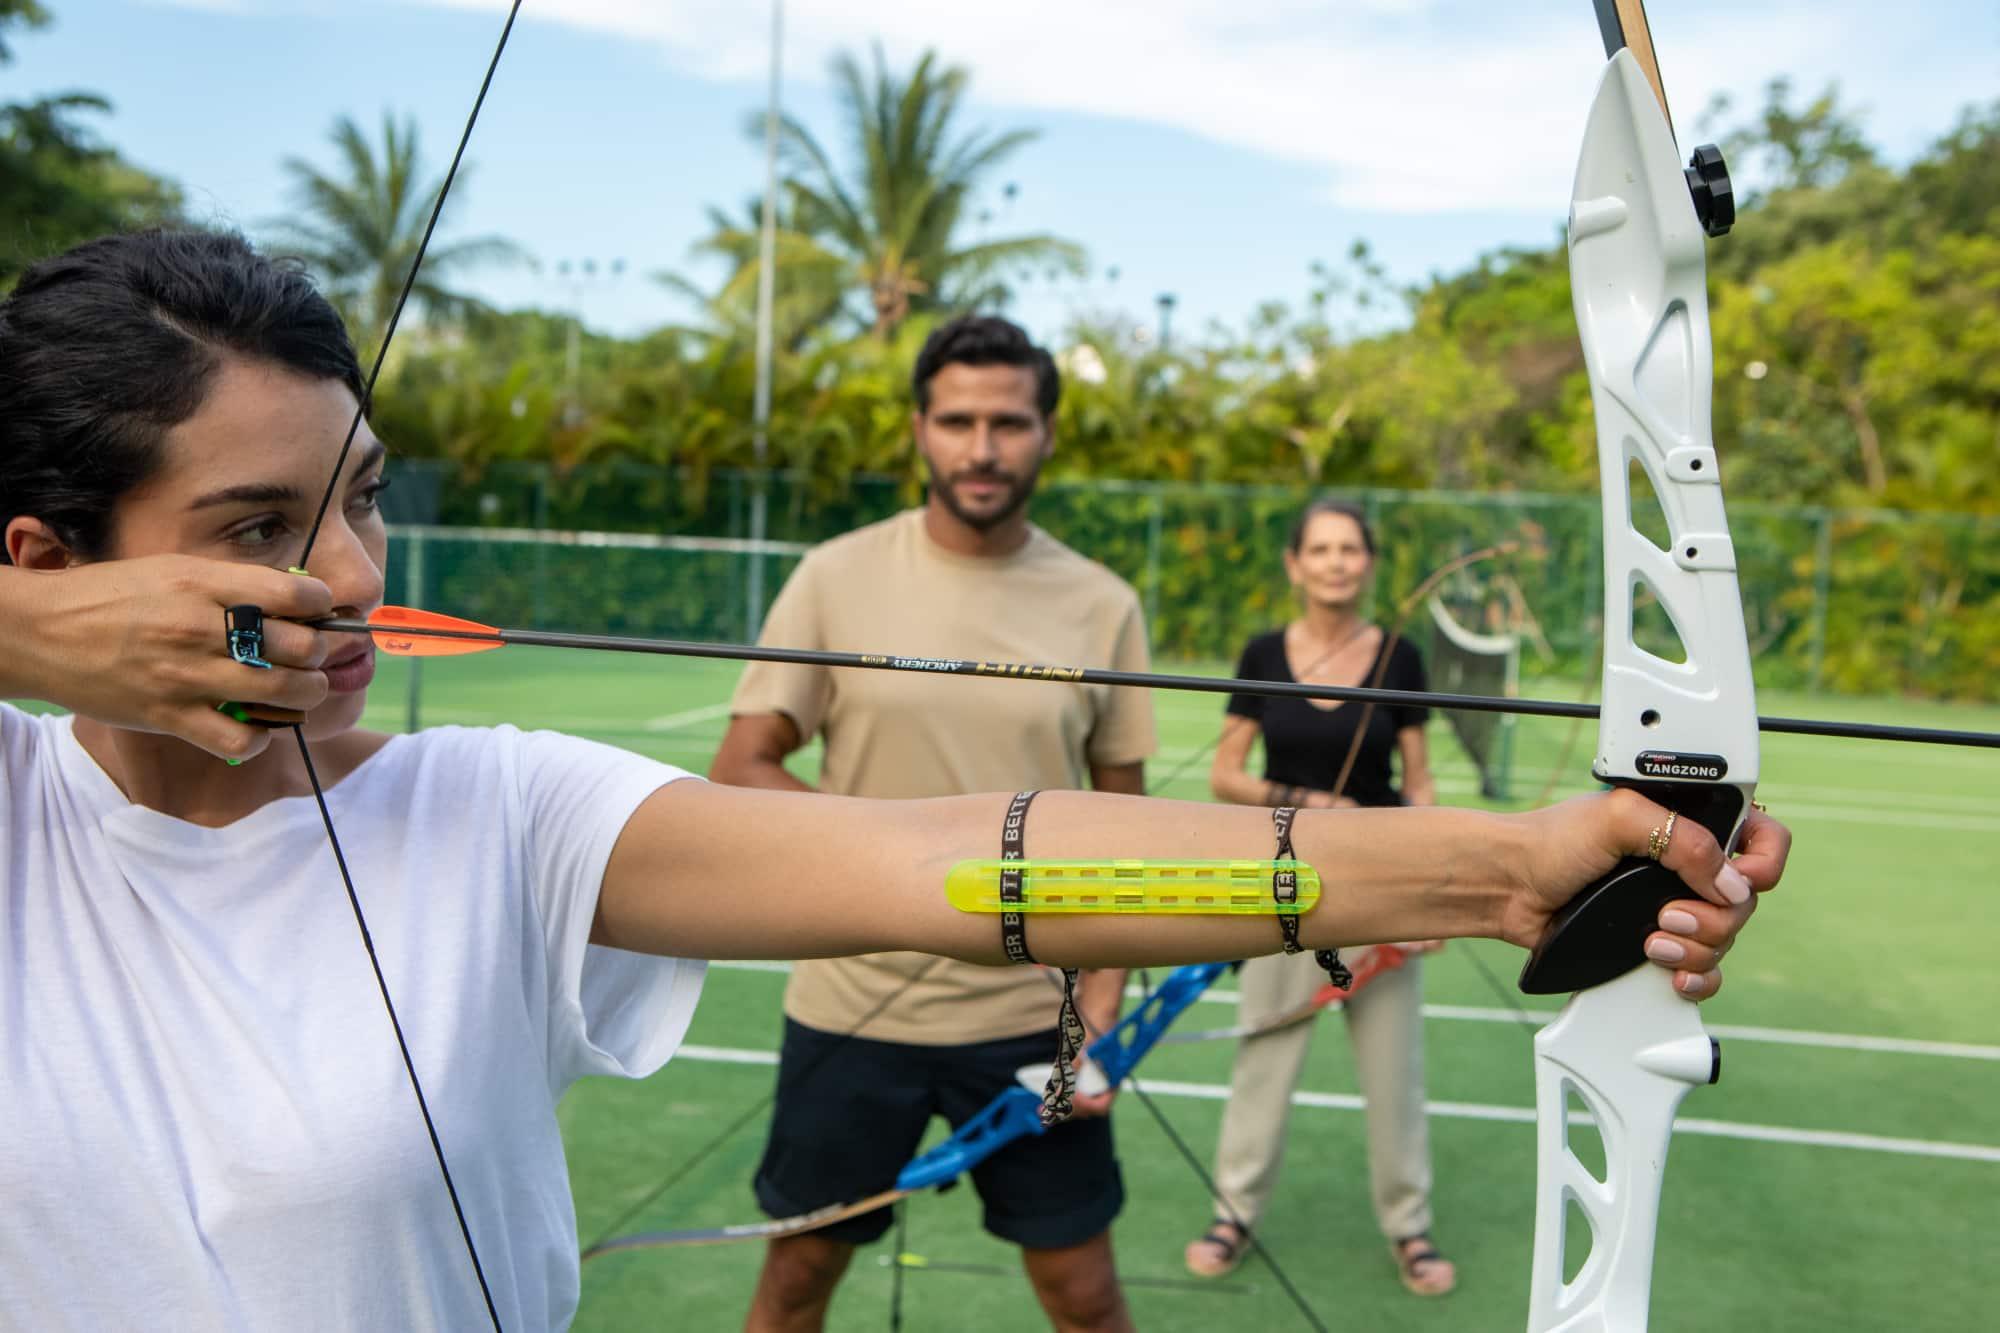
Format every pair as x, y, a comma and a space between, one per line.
1305, 746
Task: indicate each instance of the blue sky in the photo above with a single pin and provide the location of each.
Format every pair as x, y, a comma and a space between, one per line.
1211, 148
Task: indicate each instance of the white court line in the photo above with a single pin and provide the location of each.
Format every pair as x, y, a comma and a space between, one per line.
725, 1055
1513, 1115
685, 718
1968, 803
1459, 780
1944, 820
1858, 814
1839, 1041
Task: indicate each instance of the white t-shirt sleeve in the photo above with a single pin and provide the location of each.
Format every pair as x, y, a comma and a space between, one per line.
14, 761
610, 1011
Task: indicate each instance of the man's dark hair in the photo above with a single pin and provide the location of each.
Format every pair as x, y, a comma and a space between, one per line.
985, 340
107, 347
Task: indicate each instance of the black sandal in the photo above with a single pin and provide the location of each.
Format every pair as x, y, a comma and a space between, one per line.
1230, 1249
1407, 1260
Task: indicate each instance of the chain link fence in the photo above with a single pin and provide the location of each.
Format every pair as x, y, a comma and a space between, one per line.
1851, 601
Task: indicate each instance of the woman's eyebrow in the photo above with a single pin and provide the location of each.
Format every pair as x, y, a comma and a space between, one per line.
250, 493
278, 493
370, 458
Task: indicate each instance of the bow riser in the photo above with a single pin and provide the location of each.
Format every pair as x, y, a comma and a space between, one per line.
1631, 1097
1682, 733
1639, 282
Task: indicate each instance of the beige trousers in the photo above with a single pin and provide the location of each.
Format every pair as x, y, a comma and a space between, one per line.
1385, 1025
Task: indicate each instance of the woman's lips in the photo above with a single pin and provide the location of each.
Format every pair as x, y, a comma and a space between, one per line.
351, 674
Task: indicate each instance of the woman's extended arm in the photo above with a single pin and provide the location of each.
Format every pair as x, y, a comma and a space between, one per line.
721, 872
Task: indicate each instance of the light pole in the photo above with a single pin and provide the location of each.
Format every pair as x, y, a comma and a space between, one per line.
1166, 301
575, 274
767, 278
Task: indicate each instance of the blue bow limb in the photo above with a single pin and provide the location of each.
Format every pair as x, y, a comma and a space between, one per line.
1016, 1113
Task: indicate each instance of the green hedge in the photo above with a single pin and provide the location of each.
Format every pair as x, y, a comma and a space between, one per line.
1854, 602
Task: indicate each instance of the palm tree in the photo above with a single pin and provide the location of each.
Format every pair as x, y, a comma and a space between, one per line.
889, 227
27, 13
359, 230
812, 289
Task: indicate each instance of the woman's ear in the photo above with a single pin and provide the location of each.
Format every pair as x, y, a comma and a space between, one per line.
33, 544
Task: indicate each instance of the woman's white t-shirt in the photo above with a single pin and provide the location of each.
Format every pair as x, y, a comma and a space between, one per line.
204, 1120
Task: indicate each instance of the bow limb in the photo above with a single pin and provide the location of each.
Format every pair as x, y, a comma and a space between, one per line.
1374, 961
1682, 733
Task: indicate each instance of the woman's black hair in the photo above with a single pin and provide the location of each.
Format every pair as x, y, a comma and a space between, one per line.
1330, 506
107, 347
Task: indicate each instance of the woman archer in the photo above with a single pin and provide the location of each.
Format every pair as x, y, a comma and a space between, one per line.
198, 1073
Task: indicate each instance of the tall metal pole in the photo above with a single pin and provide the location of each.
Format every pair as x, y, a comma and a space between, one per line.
767, 276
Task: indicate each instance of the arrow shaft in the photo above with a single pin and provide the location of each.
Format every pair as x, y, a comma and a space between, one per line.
953, 666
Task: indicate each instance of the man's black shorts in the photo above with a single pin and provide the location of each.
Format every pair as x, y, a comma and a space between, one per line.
851, 1112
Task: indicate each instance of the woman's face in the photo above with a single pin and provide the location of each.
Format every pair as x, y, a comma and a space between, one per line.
1332, 565
241, 480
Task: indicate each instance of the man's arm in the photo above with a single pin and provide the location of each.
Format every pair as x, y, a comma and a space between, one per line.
753, 751
1124, 779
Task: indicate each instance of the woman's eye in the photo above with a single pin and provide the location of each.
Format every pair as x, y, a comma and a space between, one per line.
262, 532
370, 497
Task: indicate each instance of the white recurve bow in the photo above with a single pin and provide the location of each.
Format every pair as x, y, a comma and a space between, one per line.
1683, 733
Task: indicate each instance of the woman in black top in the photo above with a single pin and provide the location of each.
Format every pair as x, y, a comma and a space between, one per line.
1328, 755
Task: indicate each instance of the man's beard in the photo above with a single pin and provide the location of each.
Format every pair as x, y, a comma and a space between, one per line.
1018, 491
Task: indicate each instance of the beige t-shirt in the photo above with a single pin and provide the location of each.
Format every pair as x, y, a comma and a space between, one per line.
889, 588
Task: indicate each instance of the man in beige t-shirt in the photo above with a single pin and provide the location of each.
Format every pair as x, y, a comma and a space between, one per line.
875, 1046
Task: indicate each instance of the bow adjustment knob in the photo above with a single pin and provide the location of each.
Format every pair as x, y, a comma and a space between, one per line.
1714, 198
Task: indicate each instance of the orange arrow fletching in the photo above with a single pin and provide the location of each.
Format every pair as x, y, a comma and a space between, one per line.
389, 619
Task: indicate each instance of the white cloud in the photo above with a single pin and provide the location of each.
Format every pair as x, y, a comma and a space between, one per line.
1403, 106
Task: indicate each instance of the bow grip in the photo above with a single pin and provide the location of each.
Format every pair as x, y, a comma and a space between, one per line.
1601, 933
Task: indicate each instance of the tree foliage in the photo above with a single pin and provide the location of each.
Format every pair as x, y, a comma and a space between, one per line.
359, 225
1856, 321
1855, 313
879, 234
1856, 330
59, 184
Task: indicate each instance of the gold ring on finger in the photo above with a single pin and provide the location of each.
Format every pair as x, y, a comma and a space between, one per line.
1660, 838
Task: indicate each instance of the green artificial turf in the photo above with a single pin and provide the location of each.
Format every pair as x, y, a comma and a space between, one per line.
1886, 927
